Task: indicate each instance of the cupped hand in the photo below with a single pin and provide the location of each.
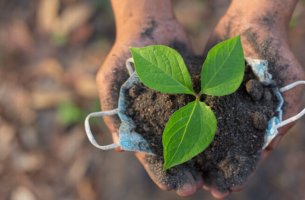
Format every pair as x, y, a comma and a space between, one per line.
112, 74
264, 36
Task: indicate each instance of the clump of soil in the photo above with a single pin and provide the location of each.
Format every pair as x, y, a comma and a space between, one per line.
242, 119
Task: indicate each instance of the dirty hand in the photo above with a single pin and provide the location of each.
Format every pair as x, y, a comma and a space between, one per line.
154, 23
263, 26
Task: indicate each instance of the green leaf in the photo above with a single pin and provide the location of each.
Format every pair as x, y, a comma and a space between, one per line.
162, 68
188, 132
223, 70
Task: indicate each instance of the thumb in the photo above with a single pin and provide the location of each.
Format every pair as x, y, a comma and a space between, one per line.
110, 77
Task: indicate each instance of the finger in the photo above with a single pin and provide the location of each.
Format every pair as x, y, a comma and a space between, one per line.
237, 188
188, 188
214, 38
115, 138
205, 186
219, 195
109, 79
275, 142
179, 179
199, 182
162, 186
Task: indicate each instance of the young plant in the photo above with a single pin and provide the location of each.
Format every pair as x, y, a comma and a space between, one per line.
190, 129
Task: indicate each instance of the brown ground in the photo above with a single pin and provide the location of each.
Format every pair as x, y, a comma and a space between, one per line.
47, 68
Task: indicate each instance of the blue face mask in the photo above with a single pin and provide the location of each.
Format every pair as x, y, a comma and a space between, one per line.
129, 140
260, 69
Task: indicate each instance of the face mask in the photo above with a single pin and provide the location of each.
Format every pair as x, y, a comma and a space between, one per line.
129, 140
260, 69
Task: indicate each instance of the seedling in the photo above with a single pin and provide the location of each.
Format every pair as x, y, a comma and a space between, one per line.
192, 128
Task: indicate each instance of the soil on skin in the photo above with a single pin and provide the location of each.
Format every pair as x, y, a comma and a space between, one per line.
242, 118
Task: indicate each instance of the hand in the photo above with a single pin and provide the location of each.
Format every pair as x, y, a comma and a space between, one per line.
263, 29
137, 33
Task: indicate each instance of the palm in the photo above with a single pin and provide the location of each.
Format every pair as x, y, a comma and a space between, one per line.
272, 45
113, 74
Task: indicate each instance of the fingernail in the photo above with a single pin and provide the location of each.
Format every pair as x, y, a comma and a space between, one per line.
205, 187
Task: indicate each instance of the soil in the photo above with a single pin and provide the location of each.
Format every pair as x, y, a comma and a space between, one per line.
242, 119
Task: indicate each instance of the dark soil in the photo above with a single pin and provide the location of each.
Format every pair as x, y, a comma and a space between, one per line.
242, 118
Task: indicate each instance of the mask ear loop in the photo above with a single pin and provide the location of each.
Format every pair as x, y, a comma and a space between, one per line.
89, 133
129, 67
300, 114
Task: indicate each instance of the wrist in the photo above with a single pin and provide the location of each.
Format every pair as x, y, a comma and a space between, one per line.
274, 13
140, 12
150, 30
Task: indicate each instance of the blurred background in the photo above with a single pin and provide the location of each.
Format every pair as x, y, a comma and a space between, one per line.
50, 51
